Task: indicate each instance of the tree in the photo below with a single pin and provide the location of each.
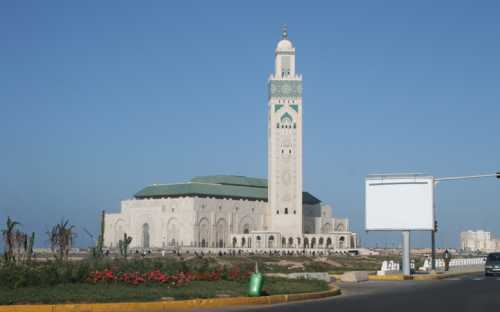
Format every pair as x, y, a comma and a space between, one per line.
20, 245
8, 235
61, 238
29, 249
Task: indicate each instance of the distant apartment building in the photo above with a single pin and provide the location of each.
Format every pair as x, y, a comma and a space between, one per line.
479, 241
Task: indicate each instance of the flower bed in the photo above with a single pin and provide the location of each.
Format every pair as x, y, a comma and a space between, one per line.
170, 280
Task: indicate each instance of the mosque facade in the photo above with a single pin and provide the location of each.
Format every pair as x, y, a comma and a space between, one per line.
235, 211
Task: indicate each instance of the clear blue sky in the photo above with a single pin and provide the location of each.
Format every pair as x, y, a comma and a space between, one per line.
101, 98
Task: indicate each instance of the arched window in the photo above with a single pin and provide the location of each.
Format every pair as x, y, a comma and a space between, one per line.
328, 242
283, 242
290, 242
145, 236
286, 210
242, 242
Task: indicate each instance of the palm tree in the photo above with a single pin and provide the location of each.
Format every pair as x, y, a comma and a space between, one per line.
9, 237
61, 238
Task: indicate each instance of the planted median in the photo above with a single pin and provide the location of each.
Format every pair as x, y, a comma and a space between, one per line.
134, 280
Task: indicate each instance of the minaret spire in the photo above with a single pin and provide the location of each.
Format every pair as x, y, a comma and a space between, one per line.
284, 34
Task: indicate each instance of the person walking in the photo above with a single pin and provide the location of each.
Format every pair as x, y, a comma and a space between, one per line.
447, 259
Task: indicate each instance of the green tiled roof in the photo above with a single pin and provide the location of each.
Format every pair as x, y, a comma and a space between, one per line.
232, 180
236, 187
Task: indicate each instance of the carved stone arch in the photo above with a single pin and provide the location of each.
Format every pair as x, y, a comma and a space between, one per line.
172, 232
203, 232
246, 225
221, 232
144, 231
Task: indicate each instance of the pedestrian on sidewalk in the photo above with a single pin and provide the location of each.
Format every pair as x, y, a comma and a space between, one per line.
447, 259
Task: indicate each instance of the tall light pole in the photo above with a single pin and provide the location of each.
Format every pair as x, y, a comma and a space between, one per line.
433, 232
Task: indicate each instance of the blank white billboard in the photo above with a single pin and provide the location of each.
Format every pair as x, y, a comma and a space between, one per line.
399, 203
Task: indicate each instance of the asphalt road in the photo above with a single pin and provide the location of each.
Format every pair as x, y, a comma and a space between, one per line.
469, 293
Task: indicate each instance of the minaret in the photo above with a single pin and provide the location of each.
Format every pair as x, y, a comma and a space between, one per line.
285, 143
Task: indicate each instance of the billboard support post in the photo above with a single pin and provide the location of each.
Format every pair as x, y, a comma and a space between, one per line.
406, 253
433, 250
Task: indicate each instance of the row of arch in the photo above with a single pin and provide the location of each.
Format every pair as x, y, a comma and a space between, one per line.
219, 236
290, 242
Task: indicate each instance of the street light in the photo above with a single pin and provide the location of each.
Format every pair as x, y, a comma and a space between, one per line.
436, 180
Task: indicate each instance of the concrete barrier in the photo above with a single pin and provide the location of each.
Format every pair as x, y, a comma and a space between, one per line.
354, 276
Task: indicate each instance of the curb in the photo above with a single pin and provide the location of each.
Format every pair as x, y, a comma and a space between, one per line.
395, 277
168, 305
418, 277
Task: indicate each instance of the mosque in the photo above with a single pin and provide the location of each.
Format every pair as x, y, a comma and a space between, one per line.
236, 211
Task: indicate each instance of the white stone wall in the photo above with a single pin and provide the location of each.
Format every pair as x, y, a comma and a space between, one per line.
152, 223
216, 219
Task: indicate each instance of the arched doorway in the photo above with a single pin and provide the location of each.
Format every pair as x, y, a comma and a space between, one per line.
342, 242
258, 241
270, 242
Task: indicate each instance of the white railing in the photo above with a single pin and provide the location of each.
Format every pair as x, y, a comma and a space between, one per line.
454, 263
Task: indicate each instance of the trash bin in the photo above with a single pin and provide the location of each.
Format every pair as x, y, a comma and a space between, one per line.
255, 284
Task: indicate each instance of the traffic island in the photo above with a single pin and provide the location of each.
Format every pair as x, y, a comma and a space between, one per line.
171, 304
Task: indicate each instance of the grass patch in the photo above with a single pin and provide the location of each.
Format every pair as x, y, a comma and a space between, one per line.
85, 293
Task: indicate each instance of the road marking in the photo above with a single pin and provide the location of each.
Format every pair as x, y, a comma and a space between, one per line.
478, 278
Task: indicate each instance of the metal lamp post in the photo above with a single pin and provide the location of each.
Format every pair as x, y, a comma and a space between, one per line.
433, 232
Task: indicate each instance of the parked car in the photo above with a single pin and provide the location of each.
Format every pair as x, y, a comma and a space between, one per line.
492, 265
